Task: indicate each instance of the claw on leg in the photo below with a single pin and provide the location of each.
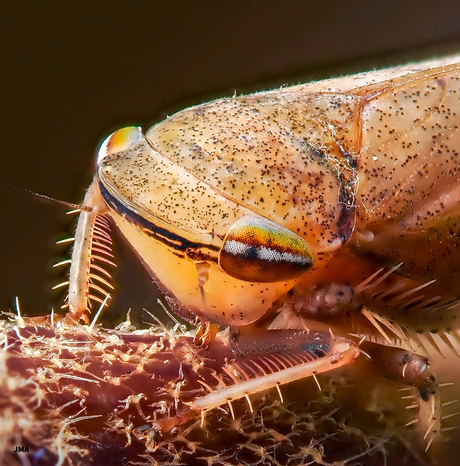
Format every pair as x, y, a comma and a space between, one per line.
206, 334
413, 369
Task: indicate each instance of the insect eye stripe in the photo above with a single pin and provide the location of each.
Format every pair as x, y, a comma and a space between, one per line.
264, 253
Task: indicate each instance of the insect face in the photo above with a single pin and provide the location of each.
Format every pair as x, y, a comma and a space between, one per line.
180, 226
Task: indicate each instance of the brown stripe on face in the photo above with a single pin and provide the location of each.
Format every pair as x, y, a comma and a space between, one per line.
163, 235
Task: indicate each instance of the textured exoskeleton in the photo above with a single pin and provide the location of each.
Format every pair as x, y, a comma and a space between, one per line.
332, 206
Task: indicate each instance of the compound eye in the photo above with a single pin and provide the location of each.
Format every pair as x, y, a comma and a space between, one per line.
121, 140
258, 250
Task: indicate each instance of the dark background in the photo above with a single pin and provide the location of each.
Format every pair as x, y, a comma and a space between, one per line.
72, 72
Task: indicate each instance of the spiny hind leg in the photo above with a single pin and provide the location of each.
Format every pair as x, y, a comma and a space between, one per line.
89, 280
265, 360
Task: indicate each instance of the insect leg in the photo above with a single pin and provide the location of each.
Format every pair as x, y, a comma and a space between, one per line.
79, 280
413, 369
206, 333
269, 359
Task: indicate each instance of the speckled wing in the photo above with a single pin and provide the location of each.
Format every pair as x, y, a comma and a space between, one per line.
409, 173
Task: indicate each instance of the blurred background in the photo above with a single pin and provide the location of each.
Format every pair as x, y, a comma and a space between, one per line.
72, 72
